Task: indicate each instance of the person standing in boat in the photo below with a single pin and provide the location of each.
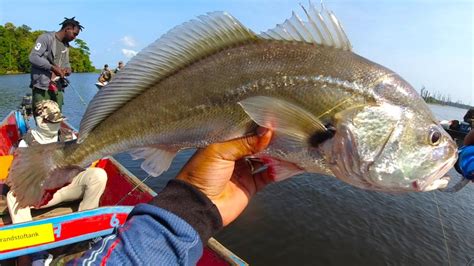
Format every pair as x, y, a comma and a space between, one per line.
88, 184
50, 64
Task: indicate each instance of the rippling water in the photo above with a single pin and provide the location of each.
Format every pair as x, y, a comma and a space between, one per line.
318, 220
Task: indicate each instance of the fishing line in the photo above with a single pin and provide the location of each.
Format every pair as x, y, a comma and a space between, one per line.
133, 189
469, 262
442, 227
77, 93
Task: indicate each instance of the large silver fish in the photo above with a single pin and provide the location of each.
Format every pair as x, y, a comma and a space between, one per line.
212, 79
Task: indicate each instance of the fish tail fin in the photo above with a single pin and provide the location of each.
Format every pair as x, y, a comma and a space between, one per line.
36, 173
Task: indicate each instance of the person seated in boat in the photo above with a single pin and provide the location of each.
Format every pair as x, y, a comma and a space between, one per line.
88, 185
105, 75
119, 67
210, 192
469, 117
454, 125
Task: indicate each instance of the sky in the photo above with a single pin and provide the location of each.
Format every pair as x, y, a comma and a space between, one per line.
429, 43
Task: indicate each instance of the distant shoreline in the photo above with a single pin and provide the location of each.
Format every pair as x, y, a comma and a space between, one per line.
457, 105
11, 73
429, 100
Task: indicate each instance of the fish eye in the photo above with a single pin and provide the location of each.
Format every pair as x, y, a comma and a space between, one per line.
435, 137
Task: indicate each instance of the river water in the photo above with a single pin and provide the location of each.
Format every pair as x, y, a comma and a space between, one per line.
318, 220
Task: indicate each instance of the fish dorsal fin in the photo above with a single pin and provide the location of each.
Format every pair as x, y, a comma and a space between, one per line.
176, 49
322, 28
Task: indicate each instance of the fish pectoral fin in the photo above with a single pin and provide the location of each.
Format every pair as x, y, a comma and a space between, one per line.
157, 160
292, 123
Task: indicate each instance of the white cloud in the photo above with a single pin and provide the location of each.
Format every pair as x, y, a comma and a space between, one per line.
128, 41
128, 53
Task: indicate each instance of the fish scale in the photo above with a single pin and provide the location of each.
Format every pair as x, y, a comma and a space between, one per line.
192, 90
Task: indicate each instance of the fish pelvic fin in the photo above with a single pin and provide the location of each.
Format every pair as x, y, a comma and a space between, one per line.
157, 160
280, 170
322, 28
175, 50
35, 174
292, 124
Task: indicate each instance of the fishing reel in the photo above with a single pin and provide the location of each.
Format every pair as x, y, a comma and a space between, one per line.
24, 112
58, 82
26, 106
63, 82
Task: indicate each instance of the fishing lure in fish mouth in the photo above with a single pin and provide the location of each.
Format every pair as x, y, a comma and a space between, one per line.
332, 111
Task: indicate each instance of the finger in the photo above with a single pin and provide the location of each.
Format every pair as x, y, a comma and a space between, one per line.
252, 182
239, 148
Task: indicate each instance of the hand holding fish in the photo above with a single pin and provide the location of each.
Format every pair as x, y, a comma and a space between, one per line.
220, 172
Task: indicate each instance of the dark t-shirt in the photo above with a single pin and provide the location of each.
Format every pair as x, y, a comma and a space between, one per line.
60, 52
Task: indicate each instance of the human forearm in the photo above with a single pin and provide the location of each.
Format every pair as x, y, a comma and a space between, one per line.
469, 139
172, 230
190, 204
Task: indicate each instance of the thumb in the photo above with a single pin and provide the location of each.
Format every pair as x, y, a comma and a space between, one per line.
236, 149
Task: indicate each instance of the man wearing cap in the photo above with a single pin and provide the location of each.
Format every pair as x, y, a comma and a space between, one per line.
88, 185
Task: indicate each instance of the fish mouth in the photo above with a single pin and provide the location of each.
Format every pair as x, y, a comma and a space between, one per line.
438, 181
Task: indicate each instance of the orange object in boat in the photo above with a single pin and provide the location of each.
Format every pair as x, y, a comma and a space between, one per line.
5, 162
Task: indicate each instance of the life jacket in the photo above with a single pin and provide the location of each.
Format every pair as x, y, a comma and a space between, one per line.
466, 161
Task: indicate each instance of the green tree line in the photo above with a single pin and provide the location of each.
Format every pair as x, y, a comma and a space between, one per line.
17, 42
439, 98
